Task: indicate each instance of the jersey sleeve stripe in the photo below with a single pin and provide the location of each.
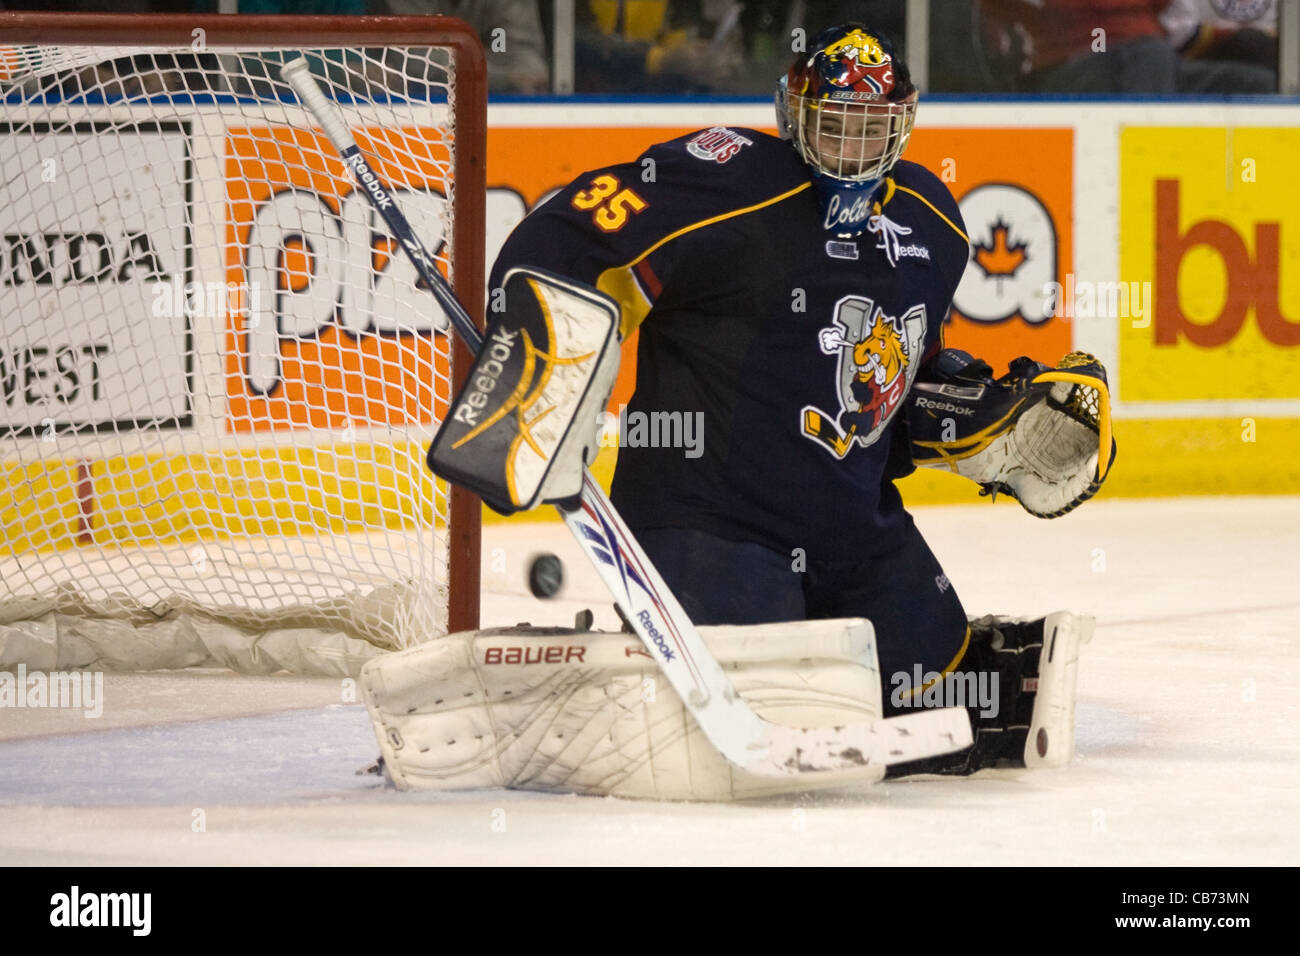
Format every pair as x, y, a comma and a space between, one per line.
634, 302
648, 278
913, 192
952, 666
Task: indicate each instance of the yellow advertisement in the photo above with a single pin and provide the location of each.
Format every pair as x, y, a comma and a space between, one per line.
1210, 224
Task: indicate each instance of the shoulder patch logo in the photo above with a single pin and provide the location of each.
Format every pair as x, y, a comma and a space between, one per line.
717, 145
877, 363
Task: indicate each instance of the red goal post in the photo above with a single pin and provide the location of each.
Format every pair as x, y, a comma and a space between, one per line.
269, 434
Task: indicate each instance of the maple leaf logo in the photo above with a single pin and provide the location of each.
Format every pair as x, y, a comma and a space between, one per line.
999, 259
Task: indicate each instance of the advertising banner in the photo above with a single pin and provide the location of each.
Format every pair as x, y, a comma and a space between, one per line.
1210, 218
74, 280
1016, 296
326, 327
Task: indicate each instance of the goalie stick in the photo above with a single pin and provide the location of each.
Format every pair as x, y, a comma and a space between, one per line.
740, 735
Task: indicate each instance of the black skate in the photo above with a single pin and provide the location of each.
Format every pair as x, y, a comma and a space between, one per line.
1036, 663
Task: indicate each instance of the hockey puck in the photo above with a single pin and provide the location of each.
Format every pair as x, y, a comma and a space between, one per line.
545, 575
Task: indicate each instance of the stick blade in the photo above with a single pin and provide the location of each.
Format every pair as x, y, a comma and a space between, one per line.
870, 744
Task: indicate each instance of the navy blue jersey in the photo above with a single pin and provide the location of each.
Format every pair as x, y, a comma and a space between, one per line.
773, 355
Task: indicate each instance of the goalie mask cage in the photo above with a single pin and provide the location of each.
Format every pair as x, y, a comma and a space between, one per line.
219, 375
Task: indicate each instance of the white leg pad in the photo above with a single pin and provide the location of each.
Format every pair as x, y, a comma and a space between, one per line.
1051, 731
587, 712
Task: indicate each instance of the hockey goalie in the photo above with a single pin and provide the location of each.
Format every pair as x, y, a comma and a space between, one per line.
790, 294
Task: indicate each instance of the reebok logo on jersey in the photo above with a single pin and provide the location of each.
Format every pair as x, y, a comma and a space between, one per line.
890, 242
717, 145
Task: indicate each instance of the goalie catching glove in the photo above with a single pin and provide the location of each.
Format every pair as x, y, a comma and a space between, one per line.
1039, 434
528, 417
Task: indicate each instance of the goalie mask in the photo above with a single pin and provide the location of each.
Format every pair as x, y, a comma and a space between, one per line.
848, 108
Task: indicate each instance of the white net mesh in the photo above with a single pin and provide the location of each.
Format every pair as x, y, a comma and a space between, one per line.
217, 375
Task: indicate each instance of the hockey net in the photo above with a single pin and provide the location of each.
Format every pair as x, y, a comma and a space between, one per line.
218, 374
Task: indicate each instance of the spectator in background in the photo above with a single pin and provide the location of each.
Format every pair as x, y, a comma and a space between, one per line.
1244, 31
516, 56
957, 62
111, 6
142, 75
304, 7
1102, 46
657, 46
705, 46
769, 29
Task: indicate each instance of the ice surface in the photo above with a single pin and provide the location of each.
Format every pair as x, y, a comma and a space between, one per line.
1187, 731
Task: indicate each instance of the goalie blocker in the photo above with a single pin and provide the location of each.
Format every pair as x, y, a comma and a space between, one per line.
527, 419
1039, 434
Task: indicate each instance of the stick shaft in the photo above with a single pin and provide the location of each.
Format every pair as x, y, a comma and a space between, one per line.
297, 73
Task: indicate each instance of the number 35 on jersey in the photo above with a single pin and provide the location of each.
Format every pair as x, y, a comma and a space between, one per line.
612, 203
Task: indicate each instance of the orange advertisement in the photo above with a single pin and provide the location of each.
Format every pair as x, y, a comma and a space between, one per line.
1016, 191
325, 329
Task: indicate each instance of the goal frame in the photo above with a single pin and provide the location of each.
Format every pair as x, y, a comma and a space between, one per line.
469, 109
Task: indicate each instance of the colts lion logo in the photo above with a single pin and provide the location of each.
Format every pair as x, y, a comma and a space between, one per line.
875, 370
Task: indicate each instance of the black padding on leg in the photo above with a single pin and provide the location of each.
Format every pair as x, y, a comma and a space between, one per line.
1009, 649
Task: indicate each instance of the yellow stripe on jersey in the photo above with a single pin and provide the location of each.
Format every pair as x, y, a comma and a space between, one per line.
890, 186
633, 306
913, 192
619, 284
952, 666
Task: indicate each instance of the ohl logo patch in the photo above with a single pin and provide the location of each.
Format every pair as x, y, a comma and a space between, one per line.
877, 363
717, 145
